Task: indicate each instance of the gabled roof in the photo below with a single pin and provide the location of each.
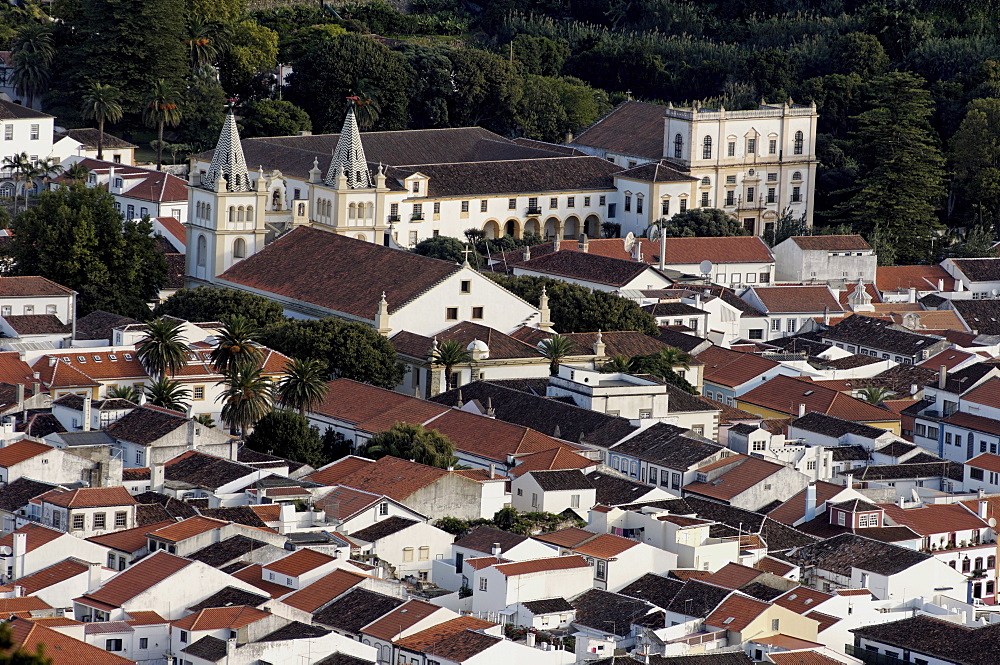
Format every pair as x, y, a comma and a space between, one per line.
631, 128
736, 613
481, 539
921, 278
356, 609
252, 575
655, 589
667, 445
742, 474
731, 368
61, 649
456, 639
568, 479
801, 599
878, 334
501, 345
21, 451
390, 476
346, 502
733, 576
383, 528
794, 509
979, 270
986, 393
205, 470
784, 394
985, 461
398, 620
617, 490
92, 497
586, 266
299, 562
840, 554
533, 566
188, 528
54, 574
129, 540
795, 299
823, 423
934, 519
831, 243
217, 618
304, 263
20, 287
135, 579
546, 460
608, 612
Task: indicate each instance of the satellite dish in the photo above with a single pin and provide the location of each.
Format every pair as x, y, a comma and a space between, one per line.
992, 522
705, 267
653, 232
995, 293
6, 551
629, 241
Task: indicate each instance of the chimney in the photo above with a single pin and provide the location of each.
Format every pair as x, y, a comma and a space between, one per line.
637, 250
527, 253
850, 481
18, 591
914, 389
20, 548
20, 394
697, 300
900, 501
584, 244
663, 250
9, 424
810, 502
490, 413
86, 413
156, 477
495, 550
493, 471
913, 295
984, 509
569, 137
802, 410
826, 316
556, 241
93, 577
599, 346
941, 284
942, 376
52, 361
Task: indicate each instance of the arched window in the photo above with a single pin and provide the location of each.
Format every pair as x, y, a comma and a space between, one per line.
232, 213
240, 249
979, 563
678, 146
706, 148
798, 143
302, 210
370, 211
706, 181
352, 211
797, 175
208, 211
240, 212
202, 251
276, 200
249, 213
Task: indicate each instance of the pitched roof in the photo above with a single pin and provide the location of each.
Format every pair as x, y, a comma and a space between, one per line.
89, 137
736, 612
631, 128
92, 497
393, 477
979, 270
533, 566
188, 528
617, 490
482, 538
398, 620
823, 423
383, 528
733, 576
586, 266
304, 264
136, 579
17, 494
431, 640
204, 470
21, 451
784, 394
986, 461
144, 425
843, 552
606, 611
697, 598
934, 518
654, 589
667, 445
356, 609
37, 324
546, 460
944, 640
731, 368
251, 574
501, 345
129, 540
876, 333
605, 546
59, 648
217, 618
661, 171
46, 577
802, 599
158, 187
982, 316
741, 475
560, 480
299, 562
986, 393
794, 509
782, 299
831, 243
19, 287
922, 278
228, 597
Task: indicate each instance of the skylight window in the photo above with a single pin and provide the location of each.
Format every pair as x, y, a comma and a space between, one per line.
81, 359
97, 359
808, 393
128, 356
728, 621
112, 357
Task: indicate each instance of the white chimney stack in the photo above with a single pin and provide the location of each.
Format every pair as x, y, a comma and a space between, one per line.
93, 577
802, 410
156, 477
984, 509
86, 413
913, 295
942, 376
850, 480
810, 502
495, 550
20, 548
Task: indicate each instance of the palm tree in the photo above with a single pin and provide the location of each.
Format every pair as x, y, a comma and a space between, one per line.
45, 170
205, 420
162, 349
675, 357
32, 53
235, 347
303, 384
20, 167
246, 399
168, 394
555, 349
162, 108
124, 392
102, 102
201, 43
874, 394
449, 354
77, 172
618, 365
366, 107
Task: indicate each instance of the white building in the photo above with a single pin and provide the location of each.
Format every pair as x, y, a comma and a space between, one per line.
825, 259
553, 492
138, 192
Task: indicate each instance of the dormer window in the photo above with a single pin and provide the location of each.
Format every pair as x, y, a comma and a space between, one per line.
119, 182
416, 187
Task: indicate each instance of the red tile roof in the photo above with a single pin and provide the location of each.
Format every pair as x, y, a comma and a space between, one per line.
631, 128
393, 477
769, 565
345, 502
333, 473
269, 512
188, 528
569, 537
129, 540
427, 639
480, 562
987, 393
158, 186
547, 460
853, 592
950, 358
38, 535
175, 227
742, 475
302, 264
784, 394
802, 658
17, 287
731, 368
733, 576
801, 599
54, 574
782, 299
136, 579
736, 612
605, 546
59, 648
217, 618
13, 370
252, 575
92, 497
22, 606
395, 622
794, 509
20, 451
314, 596
299, 562
831, 243
922, 278
145, 618
374, 409
934, 518
542, 565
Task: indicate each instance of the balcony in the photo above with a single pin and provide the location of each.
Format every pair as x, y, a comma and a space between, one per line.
417, 217
393, 219
872, 657
534, 210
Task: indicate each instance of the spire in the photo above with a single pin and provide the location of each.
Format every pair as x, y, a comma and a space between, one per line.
227, 162
349, 157
599, 345
544, 319
382, 317
860, 301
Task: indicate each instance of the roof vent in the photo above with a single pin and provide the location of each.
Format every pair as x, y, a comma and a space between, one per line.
808, 392
728, 621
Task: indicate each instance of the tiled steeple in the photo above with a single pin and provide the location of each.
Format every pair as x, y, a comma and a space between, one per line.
228, 159
349, 157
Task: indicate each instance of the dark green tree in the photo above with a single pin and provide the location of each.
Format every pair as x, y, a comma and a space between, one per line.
786, 226
429, 69
487, 90
246, 399
216, 303
975, 159
333, 68
33, 51
288, 434
977, 243
335, 445
236, 346
540, 55
554, 349
17, 655
445, 248
578, 309
168, 394
162, 349
901, 181
663, 365
702, 222
303, 385
204, 102
272, 117
413, 442
348, 350
540, 112
75, 237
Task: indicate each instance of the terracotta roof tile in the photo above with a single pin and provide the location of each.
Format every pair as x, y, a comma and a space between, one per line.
801, 599
136, 579
794, 508
333, 473
631, 128
38, 535
542, 565
987, 393
217, 618
586, 266
60, 648
373, 409
92, 497
425, 640
802, 658
501, 345
185, 529
299, 562
934, 518
736, 613
781, 299
20, 451
740, 477
59, 572
22, 605
784, 394
269, 512
605, 546
731, 368
774, 566
15, 287
570, 537
129, 540
252, 575
388, 476
397, 621
317, 594
733, 576
482, 539
480, 562
145, 618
